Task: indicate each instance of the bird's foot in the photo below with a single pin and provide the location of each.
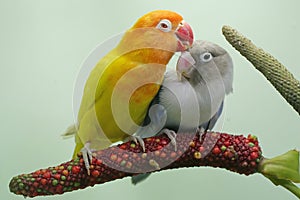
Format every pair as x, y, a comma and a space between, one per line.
137, 140
171, 135
201, 131
87, 156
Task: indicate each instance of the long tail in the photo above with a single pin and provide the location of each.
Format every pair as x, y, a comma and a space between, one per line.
139, 178
71, 132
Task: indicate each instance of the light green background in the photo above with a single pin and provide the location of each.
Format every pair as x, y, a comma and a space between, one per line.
43, 44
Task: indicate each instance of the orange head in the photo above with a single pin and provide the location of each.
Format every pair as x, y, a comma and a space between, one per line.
161, 30
168, 22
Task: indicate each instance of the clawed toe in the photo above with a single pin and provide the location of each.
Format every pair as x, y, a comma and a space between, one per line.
87, 156
172, 136
137, 140
201, 131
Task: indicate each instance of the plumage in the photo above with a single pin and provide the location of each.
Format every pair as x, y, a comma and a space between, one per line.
192, 96
124, 82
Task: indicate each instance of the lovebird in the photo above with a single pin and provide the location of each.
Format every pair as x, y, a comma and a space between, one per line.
191, 97
121, 86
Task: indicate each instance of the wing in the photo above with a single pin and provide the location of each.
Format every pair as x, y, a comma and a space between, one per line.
95, 84
154, 122
212, 122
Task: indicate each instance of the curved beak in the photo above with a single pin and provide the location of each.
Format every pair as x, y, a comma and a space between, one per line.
185, 65
185, 36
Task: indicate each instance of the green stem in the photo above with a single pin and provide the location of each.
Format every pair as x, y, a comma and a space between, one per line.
289, 185
292, 188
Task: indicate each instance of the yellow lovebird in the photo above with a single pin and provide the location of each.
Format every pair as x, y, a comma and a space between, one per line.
124, 82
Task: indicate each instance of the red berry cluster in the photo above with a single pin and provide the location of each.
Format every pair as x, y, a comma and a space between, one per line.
236, 153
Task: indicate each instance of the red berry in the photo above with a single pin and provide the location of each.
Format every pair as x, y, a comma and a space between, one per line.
157, 153
119, 159
201, 148
75, 169
59, 189
34, 193
164, 142
98, 162
237, 141
163, 155
35, 184
38, 172
125, 156
255, 148
57, 176
216, 150
43, 181
95, 173
159, 147
244, 164
47, 175
227, 143
254, 155
173, 155
253, 164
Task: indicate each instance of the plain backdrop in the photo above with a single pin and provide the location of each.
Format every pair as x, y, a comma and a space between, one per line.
44, 43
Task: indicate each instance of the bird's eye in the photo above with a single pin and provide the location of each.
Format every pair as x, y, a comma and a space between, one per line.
206, 57
164, 25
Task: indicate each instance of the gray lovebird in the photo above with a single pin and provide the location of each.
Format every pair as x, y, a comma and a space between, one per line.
190, 98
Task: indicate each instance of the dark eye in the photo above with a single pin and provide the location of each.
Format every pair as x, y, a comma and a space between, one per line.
206, 57
164, 25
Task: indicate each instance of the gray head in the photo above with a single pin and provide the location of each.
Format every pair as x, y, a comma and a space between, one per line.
206, 61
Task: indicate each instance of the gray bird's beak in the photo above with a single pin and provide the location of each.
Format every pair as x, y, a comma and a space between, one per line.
185, 65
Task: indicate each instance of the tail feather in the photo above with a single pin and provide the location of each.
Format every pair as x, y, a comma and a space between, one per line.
139, 178
70, 132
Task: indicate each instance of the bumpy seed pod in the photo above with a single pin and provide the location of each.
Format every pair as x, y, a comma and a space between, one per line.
279, 76
235, 153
